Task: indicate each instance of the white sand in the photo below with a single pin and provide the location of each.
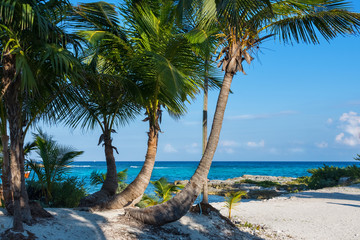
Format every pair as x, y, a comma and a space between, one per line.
331, 213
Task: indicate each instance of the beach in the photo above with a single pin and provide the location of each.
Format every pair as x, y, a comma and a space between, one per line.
330, 213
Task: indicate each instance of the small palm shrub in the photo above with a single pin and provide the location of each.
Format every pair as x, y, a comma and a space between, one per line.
53, 165
164, 191
98, 178
232, 199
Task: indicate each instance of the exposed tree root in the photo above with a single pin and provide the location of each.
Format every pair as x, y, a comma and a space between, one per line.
11, 235
95, 200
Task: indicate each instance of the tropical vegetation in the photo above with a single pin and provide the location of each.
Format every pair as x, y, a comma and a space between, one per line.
96, 65
164, 191
97, 178
54, 163
232, 199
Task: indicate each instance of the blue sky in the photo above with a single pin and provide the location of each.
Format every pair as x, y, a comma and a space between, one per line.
296, 103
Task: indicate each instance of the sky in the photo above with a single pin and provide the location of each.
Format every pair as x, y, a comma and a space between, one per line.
296, 103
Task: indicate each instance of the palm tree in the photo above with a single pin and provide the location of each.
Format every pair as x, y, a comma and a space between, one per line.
164, 192
105, 100
233, 198
107, 92
166, 67
55, 161
158, 57
242, 31
33, 50
97, 178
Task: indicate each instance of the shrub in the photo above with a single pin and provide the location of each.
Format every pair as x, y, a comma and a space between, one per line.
66, 193
163, 190
55, 161
97, 178
328, 176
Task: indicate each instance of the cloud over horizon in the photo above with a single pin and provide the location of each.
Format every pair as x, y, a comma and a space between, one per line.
261, 116
256, 144
350, 124
168, 148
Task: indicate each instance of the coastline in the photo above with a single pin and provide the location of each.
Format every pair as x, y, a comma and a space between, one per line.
322, 214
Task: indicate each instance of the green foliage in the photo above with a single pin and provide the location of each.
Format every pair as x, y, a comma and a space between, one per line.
55, 161
66, 193
357, 157
163, 192
328, 176
232, 198
97, 178
148, 201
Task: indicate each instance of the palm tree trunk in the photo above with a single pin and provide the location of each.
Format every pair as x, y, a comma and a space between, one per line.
134, 191
24, 200
110, 184
13, 107
204, 132
178, 206
6, 176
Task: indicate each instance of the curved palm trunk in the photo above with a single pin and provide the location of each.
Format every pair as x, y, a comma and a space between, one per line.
178, 206
110, 184
134, 191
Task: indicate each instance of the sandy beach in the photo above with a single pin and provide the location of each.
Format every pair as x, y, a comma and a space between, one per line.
330, 213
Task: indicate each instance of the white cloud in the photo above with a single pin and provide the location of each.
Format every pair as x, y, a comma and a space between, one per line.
228, 143
351, 129
322, 144
229, 150
193, 148
273, 151
296, 150
329, 121
261, 116
191, 123
168, 148
256, 144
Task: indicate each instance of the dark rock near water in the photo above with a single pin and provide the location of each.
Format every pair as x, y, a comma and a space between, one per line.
256, 186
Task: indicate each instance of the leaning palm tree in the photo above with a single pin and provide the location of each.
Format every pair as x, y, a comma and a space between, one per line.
242, 31
33, 55
158, 57
167, 69
107, 92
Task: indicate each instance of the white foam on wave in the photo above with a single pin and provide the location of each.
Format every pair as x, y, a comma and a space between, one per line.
134, 166
80, 166
161, 167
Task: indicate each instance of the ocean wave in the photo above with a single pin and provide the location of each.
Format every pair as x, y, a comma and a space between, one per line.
134, 166
81, 166
161, 167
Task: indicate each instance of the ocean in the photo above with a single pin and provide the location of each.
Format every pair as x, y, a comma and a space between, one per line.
176, 170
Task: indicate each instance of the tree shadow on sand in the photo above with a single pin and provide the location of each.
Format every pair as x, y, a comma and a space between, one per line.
208, 225
333, 195
65, 224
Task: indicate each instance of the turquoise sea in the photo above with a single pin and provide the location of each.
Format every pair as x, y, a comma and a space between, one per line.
219, 170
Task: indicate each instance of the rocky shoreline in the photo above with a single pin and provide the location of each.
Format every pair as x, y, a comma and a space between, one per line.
256, 186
